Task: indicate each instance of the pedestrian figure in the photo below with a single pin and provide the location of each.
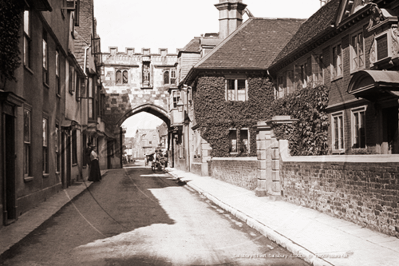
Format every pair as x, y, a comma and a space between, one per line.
95, 173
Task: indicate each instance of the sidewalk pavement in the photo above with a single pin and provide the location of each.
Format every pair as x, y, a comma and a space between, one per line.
32, 219
316, 237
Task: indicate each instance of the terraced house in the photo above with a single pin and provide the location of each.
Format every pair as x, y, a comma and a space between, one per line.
351, 47
229, 91
50, 102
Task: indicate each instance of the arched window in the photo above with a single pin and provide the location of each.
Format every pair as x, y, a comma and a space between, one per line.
118, 77
125, 77
122, 77
166, 77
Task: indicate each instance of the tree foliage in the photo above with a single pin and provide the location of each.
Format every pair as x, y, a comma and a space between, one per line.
10, 22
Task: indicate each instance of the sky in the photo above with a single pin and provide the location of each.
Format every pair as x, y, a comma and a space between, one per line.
172, 24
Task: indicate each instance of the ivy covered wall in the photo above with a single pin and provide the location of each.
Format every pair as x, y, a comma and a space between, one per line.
309, 135
215, 116
10, 23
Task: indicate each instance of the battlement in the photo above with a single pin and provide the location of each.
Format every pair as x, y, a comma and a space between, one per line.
129, 51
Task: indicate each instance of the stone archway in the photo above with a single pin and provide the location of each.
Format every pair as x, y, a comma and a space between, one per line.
134, 83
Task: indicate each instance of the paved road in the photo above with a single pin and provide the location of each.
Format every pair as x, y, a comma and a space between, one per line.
137, 217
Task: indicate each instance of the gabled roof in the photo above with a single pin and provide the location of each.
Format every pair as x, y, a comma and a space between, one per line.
254, 45
319, 23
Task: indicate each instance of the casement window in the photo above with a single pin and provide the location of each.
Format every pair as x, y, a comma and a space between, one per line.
90, 98
173, 76
337, 61
27, 142
122, 77
71, 80
45, 145
175, 98
289, 82
280, 87
78, 84
337, 132
304, 68
357, 51
27, 39
57, 148
166, 77
232, 140
169, 77
74, 147
57, 72
45, 58
244, 141
359, 128
382, 46
236, 90
317, 69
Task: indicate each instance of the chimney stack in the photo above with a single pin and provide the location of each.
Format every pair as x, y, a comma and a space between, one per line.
230, 16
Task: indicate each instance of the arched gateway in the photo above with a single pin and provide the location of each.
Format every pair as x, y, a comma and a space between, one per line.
134, 83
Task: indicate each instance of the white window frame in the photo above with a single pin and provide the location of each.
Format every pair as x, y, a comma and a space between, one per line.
341, 132
354, 52
334, 69
27, 39
248, 145
28, 143
235, 96
45, 144
230, 143
359, 109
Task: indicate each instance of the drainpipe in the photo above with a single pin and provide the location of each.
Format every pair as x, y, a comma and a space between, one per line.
187, 139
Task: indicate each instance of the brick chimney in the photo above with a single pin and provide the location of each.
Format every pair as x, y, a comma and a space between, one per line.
230, 16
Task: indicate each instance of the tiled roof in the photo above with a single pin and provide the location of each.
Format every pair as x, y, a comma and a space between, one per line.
254, 45
192, 46
316, 25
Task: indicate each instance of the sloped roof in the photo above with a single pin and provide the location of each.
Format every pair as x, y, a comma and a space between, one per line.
252, 46
319, 23
192, 46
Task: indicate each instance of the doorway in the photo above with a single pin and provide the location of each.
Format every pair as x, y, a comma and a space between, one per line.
390, 130
9, 169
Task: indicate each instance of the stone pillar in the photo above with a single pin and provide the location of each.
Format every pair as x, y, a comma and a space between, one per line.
206, 150
269, 157
263, 141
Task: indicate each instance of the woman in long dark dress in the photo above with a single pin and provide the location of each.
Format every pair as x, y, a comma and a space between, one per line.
95, 173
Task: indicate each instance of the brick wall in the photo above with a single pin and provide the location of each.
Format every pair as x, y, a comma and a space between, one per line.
241, 172
366, 193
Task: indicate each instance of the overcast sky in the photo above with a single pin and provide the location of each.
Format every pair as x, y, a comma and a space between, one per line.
172, 24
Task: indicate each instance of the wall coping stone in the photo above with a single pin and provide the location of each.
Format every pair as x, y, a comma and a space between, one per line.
234, 158
369, 158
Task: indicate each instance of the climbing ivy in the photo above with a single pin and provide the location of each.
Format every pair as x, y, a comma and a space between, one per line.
215, 116
10, 23
309, 135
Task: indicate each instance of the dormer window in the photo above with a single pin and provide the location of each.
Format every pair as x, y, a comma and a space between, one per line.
357, 51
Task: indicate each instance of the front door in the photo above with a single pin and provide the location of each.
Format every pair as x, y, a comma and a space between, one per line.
390, 130
9, 165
